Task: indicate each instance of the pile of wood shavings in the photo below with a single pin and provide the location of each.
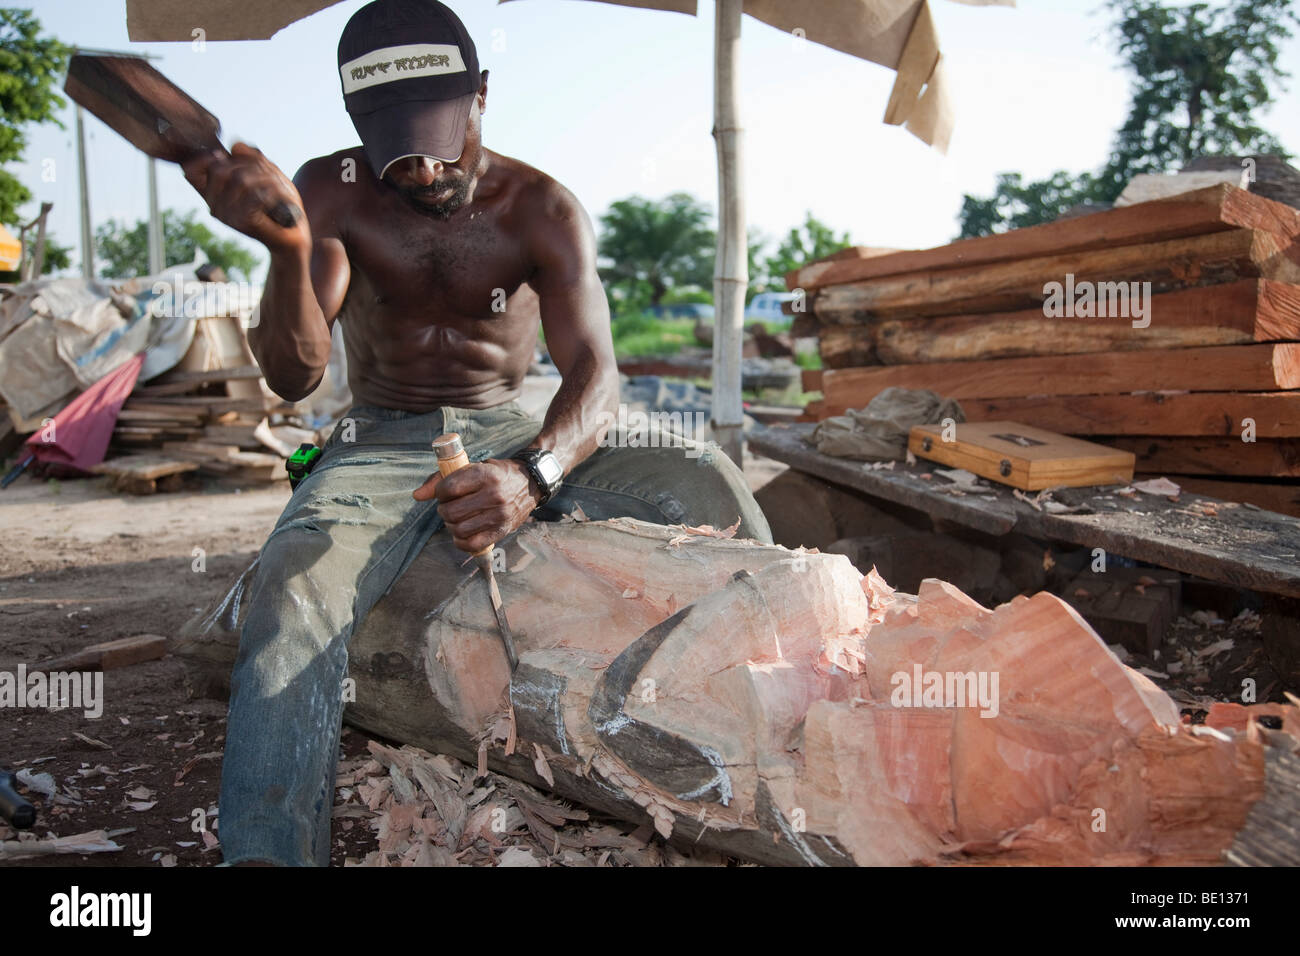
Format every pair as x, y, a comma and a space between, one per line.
433, 810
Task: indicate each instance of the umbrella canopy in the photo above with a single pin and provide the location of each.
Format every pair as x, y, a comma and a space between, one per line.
899, 34
78, 436
154, 21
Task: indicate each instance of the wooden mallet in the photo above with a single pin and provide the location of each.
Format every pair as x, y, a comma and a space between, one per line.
153, 113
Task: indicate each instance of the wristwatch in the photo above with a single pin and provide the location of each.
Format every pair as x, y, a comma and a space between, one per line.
544, 468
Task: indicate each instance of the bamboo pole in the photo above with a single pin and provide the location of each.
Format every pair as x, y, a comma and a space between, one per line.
731, 268
87, 239
156, 261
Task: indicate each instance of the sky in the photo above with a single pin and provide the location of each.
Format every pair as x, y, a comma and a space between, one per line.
615, 101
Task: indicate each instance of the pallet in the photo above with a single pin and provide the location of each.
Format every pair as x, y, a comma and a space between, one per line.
143, 466
230, 460
145, 474
181, 383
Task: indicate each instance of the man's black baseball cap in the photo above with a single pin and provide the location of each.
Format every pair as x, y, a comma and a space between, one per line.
409, 72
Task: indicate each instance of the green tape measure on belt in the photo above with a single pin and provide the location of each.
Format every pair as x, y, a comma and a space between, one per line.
301, 462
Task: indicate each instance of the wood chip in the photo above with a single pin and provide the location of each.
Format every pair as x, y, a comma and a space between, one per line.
542, 767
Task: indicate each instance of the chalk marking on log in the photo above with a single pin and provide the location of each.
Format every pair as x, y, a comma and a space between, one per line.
721, 780
614, 724
803, 849
834, 849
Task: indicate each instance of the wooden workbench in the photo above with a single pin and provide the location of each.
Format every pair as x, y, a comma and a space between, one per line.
1241, 545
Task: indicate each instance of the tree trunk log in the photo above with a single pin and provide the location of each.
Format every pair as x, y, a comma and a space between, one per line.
753, 698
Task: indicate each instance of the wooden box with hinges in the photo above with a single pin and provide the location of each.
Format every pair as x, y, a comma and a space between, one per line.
1023, 457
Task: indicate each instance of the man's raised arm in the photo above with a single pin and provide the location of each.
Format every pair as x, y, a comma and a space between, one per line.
308, 275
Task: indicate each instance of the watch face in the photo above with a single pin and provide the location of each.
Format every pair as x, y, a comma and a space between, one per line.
549, 466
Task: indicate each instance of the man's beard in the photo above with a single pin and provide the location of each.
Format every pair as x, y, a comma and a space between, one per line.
443, 211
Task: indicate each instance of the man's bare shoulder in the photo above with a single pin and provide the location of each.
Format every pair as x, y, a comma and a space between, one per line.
548, 214
540, 194
329, 187
319, 179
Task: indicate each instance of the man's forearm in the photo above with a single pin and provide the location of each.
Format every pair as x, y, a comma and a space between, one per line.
581, 410
292, 338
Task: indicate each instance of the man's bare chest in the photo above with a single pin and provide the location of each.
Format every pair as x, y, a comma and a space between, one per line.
469, 268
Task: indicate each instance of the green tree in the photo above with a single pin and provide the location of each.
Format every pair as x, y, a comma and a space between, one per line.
56, 257
124, 250
801, 245
654, 246
1201, 72
30, 67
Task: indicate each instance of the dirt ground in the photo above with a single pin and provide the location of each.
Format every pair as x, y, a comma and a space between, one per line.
80, 564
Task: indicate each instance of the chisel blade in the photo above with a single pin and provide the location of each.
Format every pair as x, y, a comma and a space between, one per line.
498, 608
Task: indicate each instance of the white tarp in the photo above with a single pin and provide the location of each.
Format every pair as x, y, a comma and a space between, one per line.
60, 336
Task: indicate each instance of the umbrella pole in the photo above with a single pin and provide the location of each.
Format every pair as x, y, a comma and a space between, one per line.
731, 267
87, 238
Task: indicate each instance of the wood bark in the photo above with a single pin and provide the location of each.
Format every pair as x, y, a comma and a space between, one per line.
1019, 284
1250, 310
1275, 414
1279, 458
1207, 210
746, 696
1229, 368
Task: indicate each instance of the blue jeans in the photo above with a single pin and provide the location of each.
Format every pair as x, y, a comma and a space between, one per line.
349, 531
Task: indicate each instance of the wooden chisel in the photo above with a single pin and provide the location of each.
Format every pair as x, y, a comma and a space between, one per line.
451, 458
153, 113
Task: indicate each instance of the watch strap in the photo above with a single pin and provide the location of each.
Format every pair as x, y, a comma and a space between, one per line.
529, 458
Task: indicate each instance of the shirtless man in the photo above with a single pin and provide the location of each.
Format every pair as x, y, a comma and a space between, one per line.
441, 258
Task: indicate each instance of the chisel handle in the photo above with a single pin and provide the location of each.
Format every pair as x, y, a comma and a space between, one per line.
285, 213
452, 458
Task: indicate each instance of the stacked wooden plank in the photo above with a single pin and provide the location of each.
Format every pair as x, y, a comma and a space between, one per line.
212, 412
1204, 382
191, 417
